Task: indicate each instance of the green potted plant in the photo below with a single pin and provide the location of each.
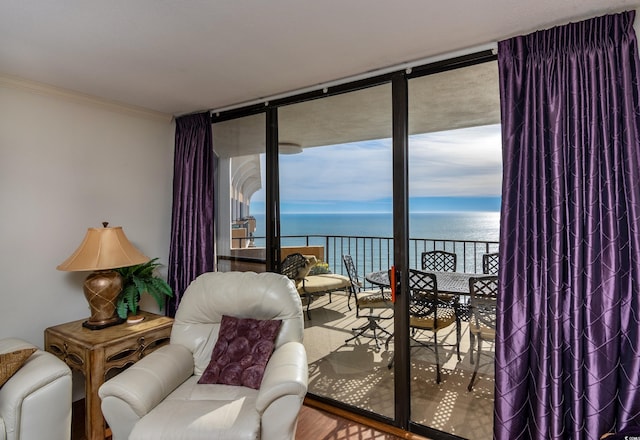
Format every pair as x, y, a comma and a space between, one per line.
137, 280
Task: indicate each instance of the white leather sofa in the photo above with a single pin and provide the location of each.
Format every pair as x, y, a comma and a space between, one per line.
159, 397
35, 403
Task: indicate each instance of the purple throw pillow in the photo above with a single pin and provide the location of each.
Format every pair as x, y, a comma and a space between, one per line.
242, 351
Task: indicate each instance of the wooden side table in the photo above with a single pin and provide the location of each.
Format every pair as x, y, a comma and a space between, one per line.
101, 354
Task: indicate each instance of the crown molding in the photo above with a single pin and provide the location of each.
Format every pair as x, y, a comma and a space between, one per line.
38, 88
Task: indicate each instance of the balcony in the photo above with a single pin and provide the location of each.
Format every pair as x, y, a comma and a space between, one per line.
356, 373
370, 254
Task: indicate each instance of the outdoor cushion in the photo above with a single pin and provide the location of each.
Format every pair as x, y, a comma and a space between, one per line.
326, 282
304, 270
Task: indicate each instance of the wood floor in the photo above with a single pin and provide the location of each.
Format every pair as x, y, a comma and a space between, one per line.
314, 423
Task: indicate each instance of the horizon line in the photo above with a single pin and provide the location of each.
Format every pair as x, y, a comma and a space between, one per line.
458, 211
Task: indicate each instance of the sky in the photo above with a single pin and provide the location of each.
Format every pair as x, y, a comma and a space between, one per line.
447, 170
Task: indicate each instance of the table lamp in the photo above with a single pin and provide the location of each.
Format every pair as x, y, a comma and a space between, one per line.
102, 250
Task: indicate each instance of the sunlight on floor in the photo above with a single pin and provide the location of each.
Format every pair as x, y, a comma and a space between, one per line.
357, 374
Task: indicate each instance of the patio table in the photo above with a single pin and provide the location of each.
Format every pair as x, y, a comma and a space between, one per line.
452, 283
448, 282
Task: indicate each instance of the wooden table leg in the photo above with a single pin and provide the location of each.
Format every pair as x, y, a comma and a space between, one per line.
94, 376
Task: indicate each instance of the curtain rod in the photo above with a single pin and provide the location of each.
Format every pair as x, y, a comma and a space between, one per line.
369, 74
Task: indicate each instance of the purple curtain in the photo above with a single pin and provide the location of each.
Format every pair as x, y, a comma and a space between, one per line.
192, 224
568, 331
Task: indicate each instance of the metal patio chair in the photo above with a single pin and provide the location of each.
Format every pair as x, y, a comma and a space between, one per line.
428, 313
293, 267
367, 300
439, 261
490, 263
482, 324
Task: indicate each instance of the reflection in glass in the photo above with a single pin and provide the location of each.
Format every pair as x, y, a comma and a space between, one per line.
240, 146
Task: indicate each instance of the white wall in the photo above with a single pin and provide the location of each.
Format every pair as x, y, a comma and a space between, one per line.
69, 162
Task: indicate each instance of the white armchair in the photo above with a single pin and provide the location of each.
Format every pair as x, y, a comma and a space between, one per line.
159, 397
35, 403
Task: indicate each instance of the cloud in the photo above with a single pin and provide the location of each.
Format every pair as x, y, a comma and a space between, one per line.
464, 162
359, 171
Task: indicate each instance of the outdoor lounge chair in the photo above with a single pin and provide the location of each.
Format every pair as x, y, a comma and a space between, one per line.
296, 267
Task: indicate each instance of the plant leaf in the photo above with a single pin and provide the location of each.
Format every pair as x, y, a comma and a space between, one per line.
162, 286
137, 280
122, 307
132, 297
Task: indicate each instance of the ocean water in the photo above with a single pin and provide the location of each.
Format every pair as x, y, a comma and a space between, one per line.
459, 228
473, 226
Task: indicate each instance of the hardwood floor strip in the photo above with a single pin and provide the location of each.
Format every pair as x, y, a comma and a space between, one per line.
316, 416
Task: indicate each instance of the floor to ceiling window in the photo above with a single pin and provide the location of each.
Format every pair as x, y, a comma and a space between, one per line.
335, 200
240, 145
454, 202
338, 174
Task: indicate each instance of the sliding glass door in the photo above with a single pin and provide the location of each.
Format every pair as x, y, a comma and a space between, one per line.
335, 185
240, 237
454, 208
378, 173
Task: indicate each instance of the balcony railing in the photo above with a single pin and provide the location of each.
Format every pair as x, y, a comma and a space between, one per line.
372, 254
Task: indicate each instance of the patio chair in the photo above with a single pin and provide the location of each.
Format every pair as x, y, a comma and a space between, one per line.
482, 324
490, 263
443, 261
439, 261
296, 267
367, 300
293, 266
429, 313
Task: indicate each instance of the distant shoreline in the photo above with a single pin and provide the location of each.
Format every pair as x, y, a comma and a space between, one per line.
385, 206
461, 211
464, 225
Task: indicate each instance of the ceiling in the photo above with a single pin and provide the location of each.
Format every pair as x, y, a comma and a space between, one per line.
178, 57
458, 98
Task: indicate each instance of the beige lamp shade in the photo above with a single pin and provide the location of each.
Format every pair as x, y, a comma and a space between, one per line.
104, 248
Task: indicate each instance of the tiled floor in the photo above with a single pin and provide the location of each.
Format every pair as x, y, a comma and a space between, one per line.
357, 374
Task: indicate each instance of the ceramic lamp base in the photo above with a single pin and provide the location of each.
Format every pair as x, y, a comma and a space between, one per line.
101, 289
